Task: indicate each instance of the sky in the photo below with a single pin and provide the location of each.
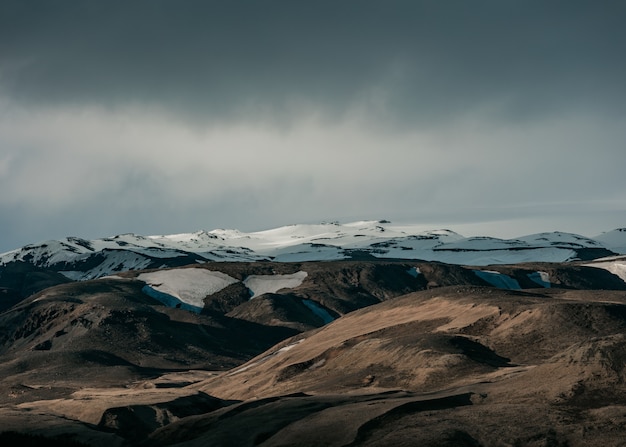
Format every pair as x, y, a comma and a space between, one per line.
488, 117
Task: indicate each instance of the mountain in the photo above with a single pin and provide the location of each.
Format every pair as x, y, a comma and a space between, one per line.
614, 240
81, 259
337, 335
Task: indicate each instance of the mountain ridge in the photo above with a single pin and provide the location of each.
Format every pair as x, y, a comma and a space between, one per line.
80, 259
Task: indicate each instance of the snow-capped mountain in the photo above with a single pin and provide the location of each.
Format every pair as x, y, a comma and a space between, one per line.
80, 259
613, 240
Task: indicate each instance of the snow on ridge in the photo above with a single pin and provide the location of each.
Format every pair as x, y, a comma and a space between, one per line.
355, 234
45, 253
560, 238
614, 240
483, 243
224, 234
491, 257
309, 252
311, 242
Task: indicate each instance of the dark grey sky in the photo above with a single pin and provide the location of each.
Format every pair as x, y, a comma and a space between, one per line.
502, 117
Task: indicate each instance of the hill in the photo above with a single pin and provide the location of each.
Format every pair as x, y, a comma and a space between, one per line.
345, 352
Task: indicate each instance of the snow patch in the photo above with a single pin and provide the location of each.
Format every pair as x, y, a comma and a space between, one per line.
497, 279
541, 278
189, 286
169, 300
616, 267
614, 240
260, 284
414, 272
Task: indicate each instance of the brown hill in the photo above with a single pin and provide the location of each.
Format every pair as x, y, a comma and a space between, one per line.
429, 340
72, 333
476, 366
103, 363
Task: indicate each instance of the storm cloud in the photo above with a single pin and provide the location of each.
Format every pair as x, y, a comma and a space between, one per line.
161, 116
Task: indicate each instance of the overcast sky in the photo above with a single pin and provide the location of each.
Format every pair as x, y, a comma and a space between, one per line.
498, 117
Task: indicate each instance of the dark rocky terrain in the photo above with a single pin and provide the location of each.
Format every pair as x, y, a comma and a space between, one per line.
19, 280
418, 353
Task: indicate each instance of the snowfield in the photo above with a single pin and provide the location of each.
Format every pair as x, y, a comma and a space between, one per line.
614, 240
260, 284
81, 259
189, 286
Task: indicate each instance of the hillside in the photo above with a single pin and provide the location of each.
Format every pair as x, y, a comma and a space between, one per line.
320, 353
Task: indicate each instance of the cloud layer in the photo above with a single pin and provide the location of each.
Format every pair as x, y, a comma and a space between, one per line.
158, 117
